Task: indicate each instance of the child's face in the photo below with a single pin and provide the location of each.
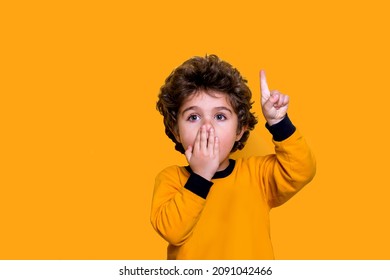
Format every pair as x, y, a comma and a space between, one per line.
212, 111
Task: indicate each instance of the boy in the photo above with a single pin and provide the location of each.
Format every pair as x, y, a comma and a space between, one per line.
218, 208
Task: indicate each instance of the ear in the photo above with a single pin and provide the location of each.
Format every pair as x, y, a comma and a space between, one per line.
175, 132
239, 134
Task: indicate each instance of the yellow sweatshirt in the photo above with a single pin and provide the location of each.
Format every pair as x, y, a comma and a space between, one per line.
228, 218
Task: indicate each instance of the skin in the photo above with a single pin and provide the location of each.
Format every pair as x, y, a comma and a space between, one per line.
207, 129
273, 103
207, 126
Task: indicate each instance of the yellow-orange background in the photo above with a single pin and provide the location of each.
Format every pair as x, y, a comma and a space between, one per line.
81, 141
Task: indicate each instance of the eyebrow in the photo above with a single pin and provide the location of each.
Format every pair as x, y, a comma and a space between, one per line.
220, 108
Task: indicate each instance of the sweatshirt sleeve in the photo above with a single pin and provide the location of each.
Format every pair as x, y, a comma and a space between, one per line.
292, 166
176, 207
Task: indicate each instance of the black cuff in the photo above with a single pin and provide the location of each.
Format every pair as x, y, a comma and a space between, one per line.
282, 130
198, 185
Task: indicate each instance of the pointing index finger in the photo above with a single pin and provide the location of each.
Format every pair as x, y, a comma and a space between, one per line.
265, 93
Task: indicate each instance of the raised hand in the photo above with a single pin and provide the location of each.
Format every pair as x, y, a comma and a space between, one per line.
273, 103
203, 157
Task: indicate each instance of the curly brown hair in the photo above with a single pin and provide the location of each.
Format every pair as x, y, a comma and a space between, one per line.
207, 73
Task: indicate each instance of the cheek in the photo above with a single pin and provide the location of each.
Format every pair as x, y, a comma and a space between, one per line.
187, 142
227, 138
187, 137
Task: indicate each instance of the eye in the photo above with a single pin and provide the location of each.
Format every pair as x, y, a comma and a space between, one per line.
220, 117
193, 118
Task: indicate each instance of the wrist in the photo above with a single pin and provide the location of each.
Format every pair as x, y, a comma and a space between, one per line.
198, 185
281, 130
204, 174
272, 122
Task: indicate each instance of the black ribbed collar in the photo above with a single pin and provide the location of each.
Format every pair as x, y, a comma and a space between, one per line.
220, 174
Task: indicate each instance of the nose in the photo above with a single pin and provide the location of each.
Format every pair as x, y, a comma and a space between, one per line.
207, 123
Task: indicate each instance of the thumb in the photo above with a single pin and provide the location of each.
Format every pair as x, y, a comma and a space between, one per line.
188, 153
